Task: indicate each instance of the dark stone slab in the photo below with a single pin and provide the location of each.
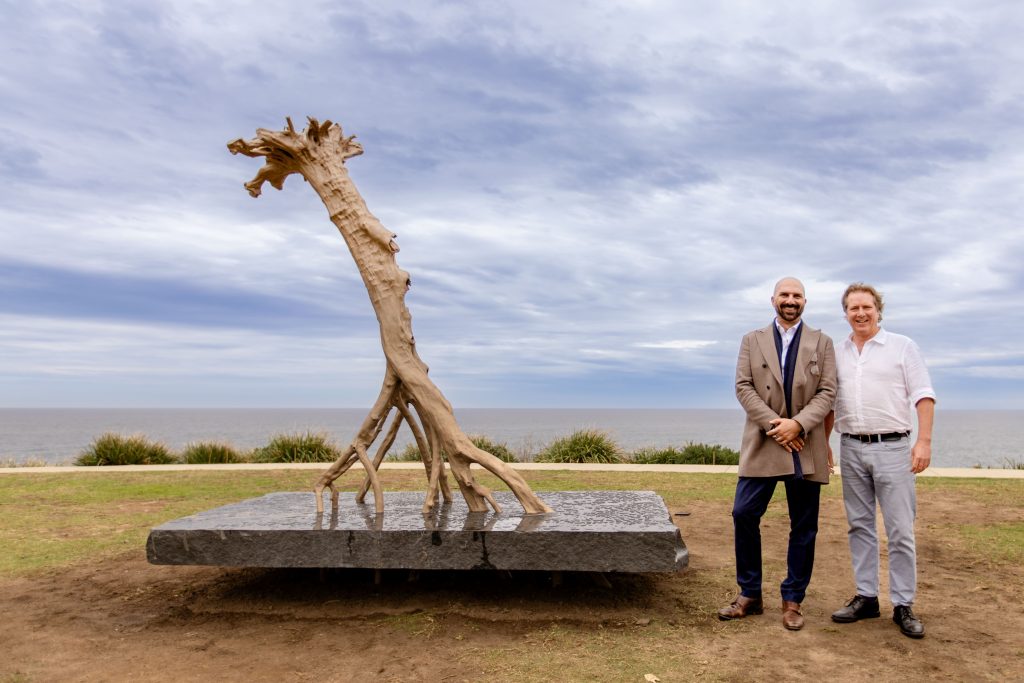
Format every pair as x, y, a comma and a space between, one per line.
603, 531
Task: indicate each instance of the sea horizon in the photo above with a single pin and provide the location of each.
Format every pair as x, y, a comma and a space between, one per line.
963, 438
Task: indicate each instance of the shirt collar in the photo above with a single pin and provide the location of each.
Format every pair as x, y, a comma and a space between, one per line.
783, 331
880, 337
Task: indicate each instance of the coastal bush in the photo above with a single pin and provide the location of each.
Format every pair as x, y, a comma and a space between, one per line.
585, 445
658, 456
115, 449
411, 453
308, 447
690, 454
210, 452
711, 454
499, 450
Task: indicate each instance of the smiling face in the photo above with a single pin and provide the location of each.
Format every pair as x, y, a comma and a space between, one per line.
862, 314
788, 301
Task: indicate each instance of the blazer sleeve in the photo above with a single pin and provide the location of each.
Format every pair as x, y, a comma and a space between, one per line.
813, 414
758, 411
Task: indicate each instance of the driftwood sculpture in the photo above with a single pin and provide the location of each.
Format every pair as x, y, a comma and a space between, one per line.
318, 154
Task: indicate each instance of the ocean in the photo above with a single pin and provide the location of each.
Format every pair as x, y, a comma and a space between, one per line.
963, 438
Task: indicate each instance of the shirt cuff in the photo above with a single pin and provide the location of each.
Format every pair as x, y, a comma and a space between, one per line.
916, 397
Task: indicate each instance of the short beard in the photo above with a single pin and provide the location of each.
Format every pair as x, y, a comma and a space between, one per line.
785, 313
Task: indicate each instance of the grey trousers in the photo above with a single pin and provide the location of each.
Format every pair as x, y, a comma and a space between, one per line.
881, 471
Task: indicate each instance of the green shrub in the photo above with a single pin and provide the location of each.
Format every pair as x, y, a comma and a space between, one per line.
411, 453
690, 454
585, 445
210, 452
306, 447
711, 454
499, 450
114, 449
659, 456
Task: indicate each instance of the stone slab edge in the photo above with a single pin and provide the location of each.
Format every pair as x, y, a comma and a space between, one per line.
601, 531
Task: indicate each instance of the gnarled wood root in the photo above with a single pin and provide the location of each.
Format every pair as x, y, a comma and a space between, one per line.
318, 154
392, 401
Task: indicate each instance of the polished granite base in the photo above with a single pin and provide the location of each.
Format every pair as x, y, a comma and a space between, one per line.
600, 531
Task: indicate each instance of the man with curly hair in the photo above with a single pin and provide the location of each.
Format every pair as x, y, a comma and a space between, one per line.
881, 377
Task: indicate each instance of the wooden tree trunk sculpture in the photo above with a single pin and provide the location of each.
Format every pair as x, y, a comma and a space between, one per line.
318, 154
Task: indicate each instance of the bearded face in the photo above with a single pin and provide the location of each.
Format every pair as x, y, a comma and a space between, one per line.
789, 301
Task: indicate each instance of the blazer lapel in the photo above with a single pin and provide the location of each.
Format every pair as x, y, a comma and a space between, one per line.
807, 358
766, 341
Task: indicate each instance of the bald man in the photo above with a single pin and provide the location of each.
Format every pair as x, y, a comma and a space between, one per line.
786, 383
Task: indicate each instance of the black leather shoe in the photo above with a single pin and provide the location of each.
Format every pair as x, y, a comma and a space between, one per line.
910, 625
859, 607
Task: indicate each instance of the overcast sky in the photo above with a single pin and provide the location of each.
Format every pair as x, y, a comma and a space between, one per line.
594, 199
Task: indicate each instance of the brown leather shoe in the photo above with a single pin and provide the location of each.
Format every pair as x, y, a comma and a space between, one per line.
741, 607
792, 617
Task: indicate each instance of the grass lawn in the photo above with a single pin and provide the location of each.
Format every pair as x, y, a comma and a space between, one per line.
51, 520
80, 601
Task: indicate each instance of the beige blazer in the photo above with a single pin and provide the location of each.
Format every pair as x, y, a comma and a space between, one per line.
759, 390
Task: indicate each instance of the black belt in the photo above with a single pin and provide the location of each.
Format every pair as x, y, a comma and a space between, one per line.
875, 438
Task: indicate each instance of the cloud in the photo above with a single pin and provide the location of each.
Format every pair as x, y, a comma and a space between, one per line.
997, 372
684, 344
580, 192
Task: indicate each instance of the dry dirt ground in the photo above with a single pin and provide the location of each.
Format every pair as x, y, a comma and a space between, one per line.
121, 619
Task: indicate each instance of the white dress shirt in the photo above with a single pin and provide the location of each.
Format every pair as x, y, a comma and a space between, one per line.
880, 384
787, 339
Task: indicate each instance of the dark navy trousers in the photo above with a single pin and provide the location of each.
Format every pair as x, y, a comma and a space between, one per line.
752, 497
